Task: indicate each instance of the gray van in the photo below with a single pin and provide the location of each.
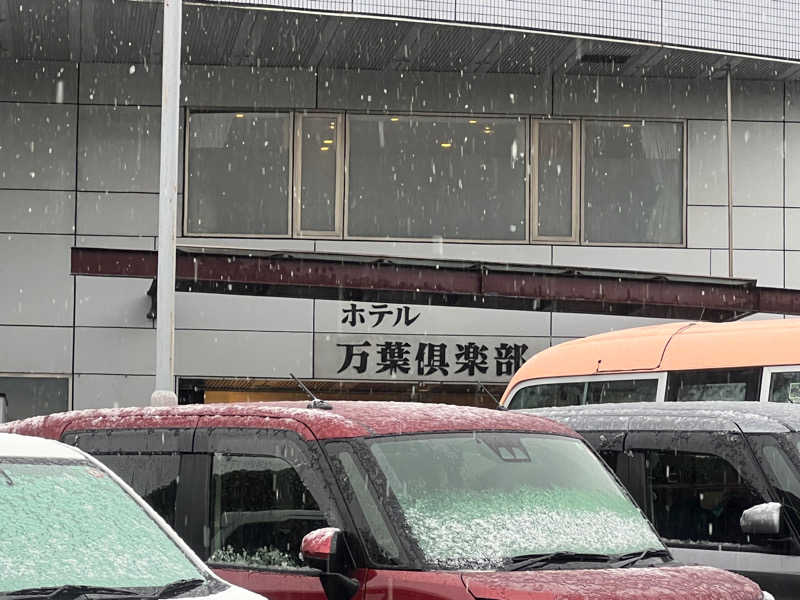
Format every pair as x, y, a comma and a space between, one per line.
719, 480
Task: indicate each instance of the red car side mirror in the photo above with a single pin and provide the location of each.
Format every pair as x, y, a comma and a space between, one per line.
324, 550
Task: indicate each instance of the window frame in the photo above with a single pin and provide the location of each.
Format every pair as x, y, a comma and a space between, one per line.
533, 193
524, 119
766, 379
684, 183
289, 175
661, 388
297, 171
68, 378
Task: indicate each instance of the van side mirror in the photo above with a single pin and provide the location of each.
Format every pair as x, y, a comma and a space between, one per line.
762, 519
324, 550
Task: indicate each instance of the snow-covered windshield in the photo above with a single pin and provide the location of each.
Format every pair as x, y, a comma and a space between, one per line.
475, 500
67, 522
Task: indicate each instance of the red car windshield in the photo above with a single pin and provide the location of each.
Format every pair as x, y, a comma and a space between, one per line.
475, 500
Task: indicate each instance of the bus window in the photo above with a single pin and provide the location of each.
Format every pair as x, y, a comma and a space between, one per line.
585, 392
785, 387
549, 394
714, 384
622, 390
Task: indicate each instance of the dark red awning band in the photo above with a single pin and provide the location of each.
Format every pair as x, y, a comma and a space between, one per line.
446, 283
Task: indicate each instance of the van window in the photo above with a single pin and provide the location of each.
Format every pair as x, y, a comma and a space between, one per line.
260, 512
153, 476
585, 392
697, 497
785, 387
714, 384
779, 456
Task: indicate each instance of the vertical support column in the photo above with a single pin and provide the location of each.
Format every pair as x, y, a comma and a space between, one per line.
164, 393
730, 176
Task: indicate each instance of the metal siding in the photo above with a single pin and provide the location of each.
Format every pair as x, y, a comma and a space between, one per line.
38, 146
36, 211
36, 281
757, 164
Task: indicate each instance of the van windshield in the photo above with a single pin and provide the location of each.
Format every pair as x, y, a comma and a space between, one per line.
779, 455
69, 523
477, 500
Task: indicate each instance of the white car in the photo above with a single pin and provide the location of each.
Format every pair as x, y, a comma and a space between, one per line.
70, 529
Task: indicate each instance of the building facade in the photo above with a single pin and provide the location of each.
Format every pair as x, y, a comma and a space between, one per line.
593, 135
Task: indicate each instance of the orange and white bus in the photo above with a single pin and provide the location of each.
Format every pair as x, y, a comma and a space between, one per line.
673, 362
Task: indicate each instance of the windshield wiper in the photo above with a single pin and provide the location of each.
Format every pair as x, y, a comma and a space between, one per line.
65, 592
524, 562
628, 560
178, 587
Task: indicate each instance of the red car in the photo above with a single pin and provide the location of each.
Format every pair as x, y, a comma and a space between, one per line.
390, 501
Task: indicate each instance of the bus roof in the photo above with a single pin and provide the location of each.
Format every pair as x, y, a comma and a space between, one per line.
670, 347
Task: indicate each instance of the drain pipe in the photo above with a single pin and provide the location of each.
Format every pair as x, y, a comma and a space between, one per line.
730, 177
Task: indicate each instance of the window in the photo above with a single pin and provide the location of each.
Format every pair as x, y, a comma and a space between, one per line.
260, 512
633, 182
379, 538
555, 195
436, 177
785, 387
318, 180
34, 396
426, 177
153, 476
585, 392
238, 174
697, 497
714, 384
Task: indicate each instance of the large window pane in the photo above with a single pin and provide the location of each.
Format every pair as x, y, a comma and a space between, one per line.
34, 396
260, 512
554, 189
741, 385
423, 177
700, 497
633, 182
586, 392
319, 135
785, 387
238, 173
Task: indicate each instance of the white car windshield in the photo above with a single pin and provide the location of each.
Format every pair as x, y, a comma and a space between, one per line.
478, 500
69, 523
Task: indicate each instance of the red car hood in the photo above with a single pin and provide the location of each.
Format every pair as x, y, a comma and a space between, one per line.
665, 583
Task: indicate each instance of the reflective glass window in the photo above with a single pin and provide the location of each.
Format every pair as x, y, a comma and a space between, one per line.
713, 384
585, 392
785, 387
697, 497
318, 138
554, 182
429, 177
239, 173
260, 512
34, 396
633, 182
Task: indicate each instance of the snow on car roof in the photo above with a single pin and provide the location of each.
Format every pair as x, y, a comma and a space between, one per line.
751, 417
21, 446
346, 419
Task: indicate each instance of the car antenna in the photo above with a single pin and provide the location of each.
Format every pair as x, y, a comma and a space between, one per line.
315, 402
486, 391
